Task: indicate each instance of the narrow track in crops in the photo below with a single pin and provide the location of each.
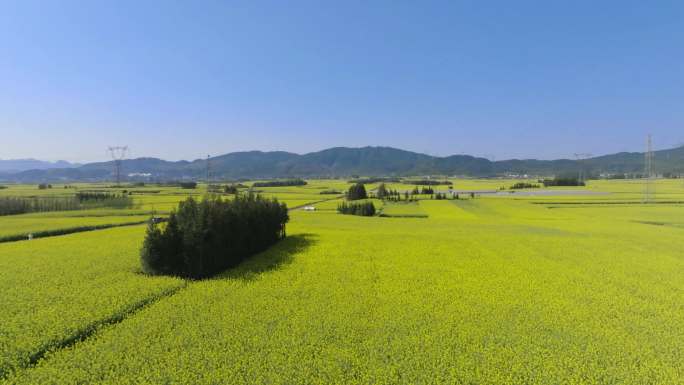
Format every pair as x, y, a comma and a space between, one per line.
316, 202
89, 330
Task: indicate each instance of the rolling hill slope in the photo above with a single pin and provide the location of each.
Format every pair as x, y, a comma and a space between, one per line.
344, 161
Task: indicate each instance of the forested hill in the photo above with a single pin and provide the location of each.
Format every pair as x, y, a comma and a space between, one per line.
344, 162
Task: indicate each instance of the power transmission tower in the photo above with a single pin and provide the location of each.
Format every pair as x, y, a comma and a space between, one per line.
208, 170
581, 157
649, 171
118, 154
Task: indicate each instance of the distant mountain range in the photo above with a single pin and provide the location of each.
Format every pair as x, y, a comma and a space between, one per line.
333, 162
19, 165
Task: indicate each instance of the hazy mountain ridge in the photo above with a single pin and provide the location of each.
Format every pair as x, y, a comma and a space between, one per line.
344, 162
19, 165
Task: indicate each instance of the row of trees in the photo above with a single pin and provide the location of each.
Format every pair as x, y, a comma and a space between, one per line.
188, 185
225, 189
330, 192
80, 201
563, 181
104, 199
523, 185
424, 190
203, 238
375, 180
280, 183
394, 196
24, 205
366, 209
429, 182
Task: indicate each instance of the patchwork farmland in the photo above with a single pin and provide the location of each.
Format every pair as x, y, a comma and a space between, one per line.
502, 288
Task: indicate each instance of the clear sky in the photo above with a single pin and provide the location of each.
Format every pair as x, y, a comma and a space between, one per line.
182, 79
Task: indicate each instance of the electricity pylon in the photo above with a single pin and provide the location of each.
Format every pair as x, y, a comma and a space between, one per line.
118, 154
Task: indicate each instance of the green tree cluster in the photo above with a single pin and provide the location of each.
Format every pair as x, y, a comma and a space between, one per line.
203, 238
357, 191
366, 209
280, 183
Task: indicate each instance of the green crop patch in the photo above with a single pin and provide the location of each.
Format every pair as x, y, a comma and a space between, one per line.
18, 227
445, 209
403, 210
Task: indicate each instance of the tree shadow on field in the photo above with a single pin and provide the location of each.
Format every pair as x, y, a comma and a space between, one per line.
274, 258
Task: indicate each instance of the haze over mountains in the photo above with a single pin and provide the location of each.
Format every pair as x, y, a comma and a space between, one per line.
333, 162
18, 165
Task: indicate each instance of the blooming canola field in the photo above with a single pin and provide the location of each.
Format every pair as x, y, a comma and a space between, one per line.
505, 289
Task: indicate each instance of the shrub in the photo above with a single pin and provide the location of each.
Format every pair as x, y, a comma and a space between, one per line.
203, 238
280, 183
44, 186
357, 191
2, 187
366, 209
330, 192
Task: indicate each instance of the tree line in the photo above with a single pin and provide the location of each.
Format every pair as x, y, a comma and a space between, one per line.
563, 181
203, 238
429, 182
523, 185
80, 201
366, 209
375, 180
280, 183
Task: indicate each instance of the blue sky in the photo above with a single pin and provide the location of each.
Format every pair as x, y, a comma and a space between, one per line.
179, 80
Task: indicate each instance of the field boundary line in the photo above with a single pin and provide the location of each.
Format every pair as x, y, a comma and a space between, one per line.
314, 203
86, 332
588, 203
65, 231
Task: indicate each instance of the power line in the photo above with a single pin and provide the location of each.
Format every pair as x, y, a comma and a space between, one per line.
118, 153
208, 169
581, 157
649, 171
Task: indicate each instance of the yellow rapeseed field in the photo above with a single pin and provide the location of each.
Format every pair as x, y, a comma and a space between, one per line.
491, 290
